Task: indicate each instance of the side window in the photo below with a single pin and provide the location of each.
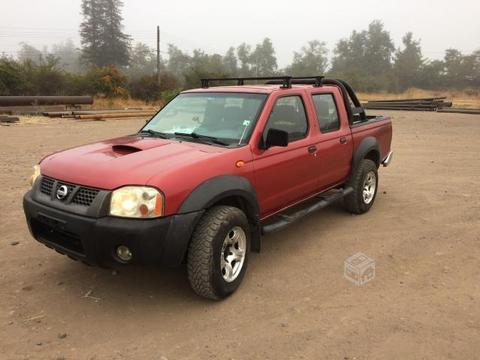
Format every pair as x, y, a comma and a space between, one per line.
288, 114
327, 114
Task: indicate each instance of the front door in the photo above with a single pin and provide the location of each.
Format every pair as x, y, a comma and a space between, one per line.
284, 174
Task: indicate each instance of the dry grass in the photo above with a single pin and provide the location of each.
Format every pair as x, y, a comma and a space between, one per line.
118, 103
460, 99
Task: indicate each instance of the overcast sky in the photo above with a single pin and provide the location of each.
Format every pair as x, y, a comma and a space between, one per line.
214, 25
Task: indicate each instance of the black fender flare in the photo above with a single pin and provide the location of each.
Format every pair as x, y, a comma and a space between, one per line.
366, 146
215, 189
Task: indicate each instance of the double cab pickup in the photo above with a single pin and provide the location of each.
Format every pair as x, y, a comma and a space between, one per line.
215, 169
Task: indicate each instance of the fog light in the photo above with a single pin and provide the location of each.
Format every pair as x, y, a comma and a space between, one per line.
124, 253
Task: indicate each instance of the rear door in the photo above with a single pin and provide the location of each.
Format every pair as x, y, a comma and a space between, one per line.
334, 141
283, 174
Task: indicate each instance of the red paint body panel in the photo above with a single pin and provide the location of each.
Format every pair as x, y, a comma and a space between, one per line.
281, 176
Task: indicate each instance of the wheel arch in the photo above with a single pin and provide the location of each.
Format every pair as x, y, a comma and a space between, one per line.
368, 149
227, 190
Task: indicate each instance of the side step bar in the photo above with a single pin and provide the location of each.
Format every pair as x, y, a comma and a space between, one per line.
286, 220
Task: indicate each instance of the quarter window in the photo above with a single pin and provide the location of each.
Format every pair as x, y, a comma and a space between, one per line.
288, 114
327, 114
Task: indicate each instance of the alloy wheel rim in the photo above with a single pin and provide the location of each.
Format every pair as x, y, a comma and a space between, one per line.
233, 254
369, 187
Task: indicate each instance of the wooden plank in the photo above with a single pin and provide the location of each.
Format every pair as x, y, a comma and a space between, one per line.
113, 116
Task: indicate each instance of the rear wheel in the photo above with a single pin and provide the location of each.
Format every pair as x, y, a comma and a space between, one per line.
218, 253
365, 185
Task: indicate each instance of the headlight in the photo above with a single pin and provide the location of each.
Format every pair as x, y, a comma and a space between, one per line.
35, 175
136, 202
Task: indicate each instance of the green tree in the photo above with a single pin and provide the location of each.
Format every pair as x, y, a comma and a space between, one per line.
68, 56
263, 59
365, 58
310, 60
91, 31
462, 70
103, 40
350, 53
454, 66
408, 63
244, 56
29, 52
476, 69
432, 75
230, 62
143, 61
203, 65
178, 62
379, 49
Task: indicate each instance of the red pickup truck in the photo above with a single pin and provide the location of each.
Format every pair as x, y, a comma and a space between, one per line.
211, 172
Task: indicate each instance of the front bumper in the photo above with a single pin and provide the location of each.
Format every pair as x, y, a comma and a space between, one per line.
95, 240
388, 159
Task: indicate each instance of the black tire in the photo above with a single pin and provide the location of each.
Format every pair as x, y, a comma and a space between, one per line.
354, 202
204, 253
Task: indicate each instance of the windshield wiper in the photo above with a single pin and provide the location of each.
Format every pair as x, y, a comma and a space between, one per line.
210, 139
154, 133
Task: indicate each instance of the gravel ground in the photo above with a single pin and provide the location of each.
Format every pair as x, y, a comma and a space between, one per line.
423, 234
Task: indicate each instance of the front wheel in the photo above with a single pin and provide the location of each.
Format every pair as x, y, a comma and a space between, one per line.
365, 185
218, 253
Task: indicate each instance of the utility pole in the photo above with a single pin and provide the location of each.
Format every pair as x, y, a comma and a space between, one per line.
158, 55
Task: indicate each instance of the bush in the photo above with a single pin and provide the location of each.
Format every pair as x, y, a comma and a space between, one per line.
76, 84
147, 88
12, 79
168, 95
45, 77
108, 81
30, 78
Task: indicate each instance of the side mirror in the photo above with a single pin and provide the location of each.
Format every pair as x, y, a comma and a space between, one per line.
276, 137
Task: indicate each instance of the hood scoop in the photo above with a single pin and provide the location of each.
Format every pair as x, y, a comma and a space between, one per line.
125, 149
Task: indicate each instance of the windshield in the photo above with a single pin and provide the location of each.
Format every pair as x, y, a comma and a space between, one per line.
228, 118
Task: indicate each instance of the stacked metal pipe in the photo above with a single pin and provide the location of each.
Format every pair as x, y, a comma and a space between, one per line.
423, 104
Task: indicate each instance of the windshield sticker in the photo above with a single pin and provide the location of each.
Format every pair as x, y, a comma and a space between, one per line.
181, 129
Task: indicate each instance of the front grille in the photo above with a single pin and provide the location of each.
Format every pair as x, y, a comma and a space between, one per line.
83, 196
46, 185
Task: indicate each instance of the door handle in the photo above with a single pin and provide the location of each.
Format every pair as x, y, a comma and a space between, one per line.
343, 140
312, 149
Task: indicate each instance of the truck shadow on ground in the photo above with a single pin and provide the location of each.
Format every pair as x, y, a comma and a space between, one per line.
153, 285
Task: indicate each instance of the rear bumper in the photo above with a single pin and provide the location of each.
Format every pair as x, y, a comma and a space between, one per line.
95, 240
388, 159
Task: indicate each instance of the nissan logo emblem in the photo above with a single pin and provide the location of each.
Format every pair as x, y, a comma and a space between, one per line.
62, 192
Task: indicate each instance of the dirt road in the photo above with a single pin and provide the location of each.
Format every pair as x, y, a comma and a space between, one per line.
423, 234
